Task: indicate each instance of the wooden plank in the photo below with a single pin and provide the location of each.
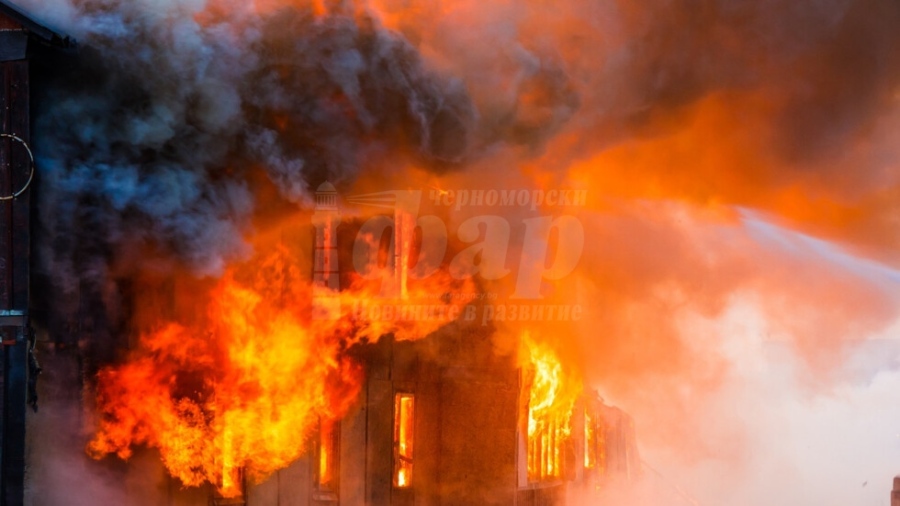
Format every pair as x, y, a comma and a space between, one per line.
426, 459
15, 403
21, 169
15, 217
265, 493
6, 228
478, 443
7, 23
353, 455
379, 443
295, 484
179, 495
405, 363
379, 357
13, 45
145, 477
5, 235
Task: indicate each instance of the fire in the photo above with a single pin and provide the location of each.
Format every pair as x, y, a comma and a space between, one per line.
242, 387
404, 412
554, 390
327, 451
553, 393
590, 446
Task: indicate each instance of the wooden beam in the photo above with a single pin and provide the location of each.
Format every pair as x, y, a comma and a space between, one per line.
15, 247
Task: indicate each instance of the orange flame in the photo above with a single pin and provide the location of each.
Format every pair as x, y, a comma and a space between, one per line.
242, 387
553, 393
404, 407
554, 389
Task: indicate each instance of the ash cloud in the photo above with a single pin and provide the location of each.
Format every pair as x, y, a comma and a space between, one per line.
807, 79
149, 137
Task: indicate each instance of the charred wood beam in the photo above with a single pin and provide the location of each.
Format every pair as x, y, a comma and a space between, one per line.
15, 247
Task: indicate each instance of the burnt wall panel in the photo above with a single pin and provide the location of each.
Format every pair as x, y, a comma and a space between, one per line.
265, 493
426, 479
294, 484
13, 44
7, 108
179, 495
21, 172
147, 479
478, 443
353, 455
553, 495
6, 234
15, 168
8, 24
379, 442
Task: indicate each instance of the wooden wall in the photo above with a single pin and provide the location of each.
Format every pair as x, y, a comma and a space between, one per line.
465, 421
15, 168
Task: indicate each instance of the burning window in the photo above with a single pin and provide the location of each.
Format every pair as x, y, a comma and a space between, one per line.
550, 398
404, 418
545, 455
327, 451
590, 442
594, 443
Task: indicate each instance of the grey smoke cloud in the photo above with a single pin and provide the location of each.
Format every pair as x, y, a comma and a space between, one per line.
157, 124
147, 149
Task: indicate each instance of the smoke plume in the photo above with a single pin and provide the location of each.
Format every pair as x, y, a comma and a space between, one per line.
740, 159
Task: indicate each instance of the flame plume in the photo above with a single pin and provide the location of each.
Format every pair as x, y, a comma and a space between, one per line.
243, 385
553, 393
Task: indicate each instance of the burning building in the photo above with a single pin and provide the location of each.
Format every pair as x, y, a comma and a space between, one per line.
422, 410
416, 413
581, 195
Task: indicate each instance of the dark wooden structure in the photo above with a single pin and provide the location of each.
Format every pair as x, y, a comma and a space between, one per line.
18, 36
895, 493
439, 420
470, 446
464, 428
442, 420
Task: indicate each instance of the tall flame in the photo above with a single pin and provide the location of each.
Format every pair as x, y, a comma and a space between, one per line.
241, 387
552, 396
554, 390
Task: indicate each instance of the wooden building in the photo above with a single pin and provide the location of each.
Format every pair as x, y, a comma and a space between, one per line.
440, 420
443, 421
19, 37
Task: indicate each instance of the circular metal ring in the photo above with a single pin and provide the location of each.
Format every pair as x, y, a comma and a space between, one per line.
30, 175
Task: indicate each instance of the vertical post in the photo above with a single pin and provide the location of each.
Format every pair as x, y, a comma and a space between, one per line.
326, 271
15, 169
895, 494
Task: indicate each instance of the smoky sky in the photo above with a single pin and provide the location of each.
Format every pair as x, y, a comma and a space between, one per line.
149, 133
146, 136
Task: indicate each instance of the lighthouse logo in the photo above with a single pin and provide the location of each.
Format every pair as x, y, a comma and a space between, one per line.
326, 275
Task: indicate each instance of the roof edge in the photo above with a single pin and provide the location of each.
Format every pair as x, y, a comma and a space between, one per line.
34, 28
